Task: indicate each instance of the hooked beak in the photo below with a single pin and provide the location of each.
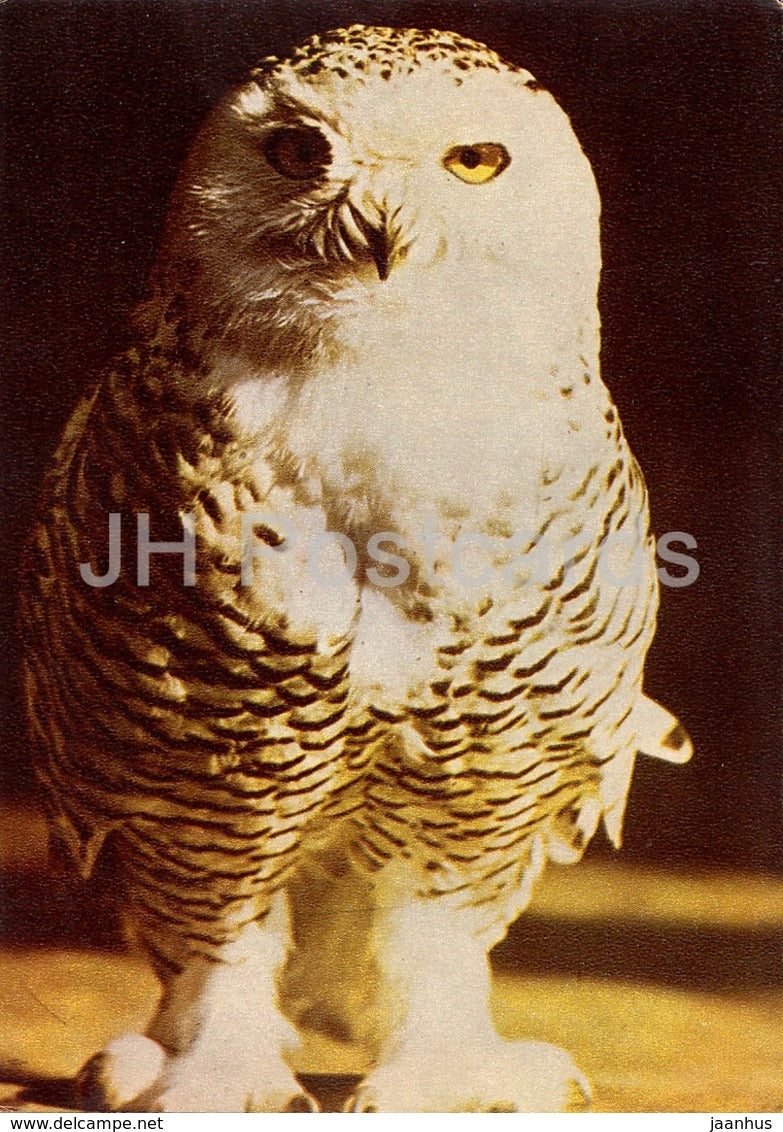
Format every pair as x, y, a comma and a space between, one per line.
382, 240
383, 250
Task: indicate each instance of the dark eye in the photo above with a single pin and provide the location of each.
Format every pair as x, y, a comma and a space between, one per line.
469, 156
300, 152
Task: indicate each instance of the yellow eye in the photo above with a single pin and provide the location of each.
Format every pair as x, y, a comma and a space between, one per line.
475, 164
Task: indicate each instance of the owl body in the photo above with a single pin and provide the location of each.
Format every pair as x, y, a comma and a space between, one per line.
408, 670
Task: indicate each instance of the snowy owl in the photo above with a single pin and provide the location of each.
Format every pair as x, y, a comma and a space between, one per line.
338, 599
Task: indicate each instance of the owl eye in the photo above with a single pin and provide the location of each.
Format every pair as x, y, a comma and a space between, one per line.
300, 152
478, 163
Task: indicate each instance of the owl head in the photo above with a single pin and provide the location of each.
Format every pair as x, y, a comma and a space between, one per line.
378, 162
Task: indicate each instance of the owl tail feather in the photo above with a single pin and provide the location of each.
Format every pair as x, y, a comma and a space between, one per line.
660, 734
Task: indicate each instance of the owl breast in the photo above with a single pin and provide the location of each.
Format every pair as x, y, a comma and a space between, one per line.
462, 421
442, 405
486, 455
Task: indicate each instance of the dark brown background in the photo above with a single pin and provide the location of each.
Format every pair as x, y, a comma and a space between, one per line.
676, 104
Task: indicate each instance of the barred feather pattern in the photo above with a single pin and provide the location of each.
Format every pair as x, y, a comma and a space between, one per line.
218, 743
373, 317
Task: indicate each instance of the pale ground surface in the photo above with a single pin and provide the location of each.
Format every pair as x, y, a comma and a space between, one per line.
661, 986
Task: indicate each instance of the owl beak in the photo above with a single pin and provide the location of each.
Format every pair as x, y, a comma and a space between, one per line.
381, 239
383, 249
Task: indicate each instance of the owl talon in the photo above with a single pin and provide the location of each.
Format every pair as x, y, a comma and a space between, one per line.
133, 1074
500, 1077
189, 1088
122, 1071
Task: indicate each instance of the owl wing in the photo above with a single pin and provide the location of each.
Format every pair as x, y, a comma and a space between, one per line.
218, 705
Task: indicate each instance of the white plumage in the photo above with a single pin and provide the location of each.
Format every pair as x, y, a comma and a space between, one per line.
410, 669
